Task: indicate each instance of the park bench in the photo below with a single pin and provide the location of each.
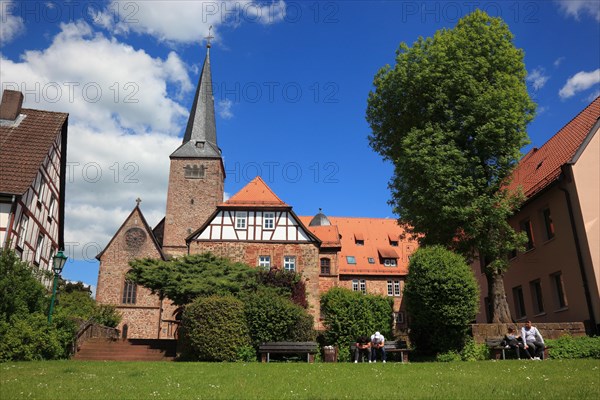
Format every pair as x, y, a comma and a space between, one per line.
497, 350
308, 348
391, 347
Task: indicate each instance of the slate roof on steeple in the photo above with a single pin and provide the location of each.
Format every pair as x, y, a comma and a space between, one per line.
200, 138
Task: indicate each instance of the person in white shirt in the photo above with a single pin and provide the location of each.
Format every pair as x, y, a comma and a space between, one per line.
377, 343
533, 340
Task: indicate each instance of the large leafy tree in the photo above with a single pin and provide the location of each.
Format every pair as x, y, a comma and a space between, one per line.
183, 279
451, 116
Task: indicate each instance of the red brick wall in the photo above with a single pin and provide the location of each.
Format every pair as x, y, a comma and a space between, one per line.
190, 201
141, 317
307, 260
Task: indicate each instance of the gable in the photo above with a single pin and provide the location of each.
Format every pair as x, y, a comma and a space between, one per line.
254, 225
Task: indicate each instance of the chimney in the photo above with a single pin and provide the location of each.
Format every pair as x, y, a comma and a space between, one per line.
10, 108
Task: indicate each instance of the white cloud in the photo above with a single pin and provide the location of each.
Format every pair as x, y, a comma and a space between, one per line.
186, 21
575, 8
537, 78
579, 82
117, 150
558, 61
224, 107
10, 25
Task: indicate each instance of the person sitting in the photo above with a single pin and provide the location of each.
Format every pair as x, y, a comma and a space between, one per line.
514, 341
533, 340
363, 348
377, 344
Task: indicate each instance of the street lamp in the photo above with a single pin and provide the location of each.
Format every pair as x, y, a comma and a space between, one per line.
58, 262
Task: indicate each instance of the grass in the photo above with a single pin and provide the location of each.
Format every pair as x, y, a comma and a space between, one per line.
553, 379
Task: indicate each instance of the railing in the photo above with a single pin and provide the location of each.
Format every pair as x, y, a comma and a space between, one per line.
88, 330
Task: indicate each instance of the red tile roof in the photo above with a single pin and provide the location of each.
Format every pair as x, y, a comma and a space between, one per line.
376, 233
24, 147
328, 234
255, 193
540, 167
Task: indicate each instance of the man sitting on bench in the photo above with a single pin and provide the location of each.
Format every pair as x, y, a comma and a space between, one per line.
363, 347
377, 344
534, 342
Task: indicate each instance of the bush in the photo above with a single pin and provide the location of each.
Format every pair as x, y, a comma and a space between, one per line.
442, 298
30, 337
474, 352
574, 347
289, 282
215, 329
448, 356
347, 315
272, 318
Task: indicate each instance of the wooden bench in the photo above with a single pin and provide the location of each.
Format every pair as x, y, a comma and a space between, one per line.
308, 348
399, 346
497, 350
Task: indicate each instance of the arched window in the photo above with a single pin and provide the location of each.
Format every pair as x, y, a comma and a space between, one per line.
129, 292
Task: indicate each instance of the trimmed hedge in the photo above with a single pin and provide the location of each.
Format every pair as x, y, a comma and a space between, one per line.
347, 315
215, 329
574, 347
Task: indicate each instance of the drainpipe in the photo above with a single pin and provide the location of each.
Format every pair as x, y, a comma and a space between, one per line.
11, 221
586, 289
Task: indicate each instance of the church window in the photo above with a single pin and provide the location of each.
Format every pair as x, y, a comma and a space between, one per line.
129, 292
240, 219
289, 263
264, 262
194, 171
269, 220
325, 266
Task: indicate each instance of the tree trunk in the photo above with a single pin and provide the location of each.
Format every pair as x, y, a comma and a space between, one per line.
497, 295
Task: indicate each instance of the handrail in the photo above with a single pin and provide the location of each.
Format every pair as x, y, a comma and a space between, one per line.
89, 329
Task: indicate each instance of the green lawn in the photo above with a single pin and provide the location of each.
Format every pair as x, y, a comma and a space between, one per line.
570, 379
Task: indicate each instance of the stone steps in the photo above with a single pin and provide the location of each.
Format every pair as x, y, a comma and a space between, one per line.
127, 350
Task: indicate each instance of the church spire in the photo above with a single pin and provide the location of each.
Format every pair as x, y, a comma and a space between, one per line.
200, 138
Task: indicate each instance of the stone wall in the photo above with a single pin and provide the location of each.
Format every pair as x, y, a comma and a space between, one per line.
481, 332
307, 261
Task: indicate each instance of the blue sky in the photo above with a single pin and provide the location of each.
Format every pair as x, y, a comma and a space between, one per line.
291, 81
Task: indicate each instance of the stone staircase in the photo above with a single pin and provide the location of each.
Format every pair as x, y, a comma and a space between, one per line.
127, 350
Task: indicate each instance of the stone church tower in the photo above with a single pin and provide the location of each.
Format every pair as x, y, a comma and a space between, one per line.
197, 173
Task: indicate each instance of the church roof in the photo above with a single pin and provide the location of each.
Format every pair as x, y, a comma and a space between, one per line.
540, 167
24, 145
200, 138
255, 194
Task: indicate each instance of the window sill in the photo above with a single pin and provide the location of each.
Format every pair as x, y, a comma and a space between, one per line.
540, 314
529, 250
522, 319
562, 309
549, 240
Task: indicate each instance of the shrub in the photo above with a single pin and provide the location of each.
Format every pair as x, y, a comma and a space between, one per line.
347, 315
273, 318
215, 328
289, 282
574, 347
448, 356
30, 337
474, 352
442, 298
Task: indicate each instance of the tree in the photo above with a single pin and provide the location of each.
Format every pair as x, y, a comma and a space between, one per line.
442, 298
183, 279
451, 116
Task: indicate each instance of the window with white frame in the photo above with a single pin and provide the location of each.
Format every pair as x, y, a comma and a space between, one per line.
289, 263
363, 286
355, 285
39, 248
393, 288
23, 230
389, 262
269, 220
52, 206
264, 262
240, 219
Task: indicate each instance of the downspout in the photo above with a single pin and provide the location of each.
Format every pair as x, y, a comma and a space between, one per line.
586, 289
11, 222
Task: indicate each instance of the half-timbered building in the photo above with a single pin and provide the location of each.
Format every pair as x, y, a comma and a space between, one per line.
33, 150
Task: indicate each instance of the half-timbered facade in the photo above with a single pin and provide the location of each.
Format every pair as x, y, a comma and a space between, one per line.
32, 187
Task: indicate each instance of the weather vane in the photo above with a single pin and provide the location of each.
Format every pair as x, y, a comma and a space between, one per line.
209, 37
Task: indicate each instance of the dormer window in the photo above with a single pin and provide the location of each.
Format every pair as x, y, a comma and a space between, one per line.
194, 171
394, 243
359, 239
199, 145
360, 242
389, 262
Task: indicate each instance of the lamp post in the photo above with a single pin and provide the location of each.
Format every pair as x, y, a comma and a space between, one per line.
58, 262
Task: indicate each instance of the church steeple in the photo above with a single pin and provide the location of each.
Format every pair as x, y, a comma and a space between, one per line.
200, 138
